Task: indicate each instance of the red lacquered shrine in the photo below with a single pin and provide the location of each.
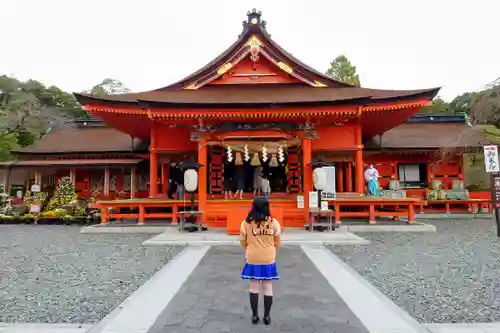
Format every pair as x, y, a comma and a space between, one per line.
257, 94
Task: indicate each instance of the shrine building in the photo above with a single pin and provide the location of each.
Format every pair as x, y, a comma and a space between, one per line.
255, 105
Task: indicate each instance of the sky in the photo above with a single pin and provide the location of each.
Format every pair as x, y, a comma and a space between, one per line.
148, 44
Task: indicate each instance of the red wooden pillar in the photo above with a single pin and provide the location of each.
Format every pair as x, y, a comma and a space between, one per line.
202, 175
107, 176
119, 181
358, 161
340, 177
153, 164
164, 179
348, 177
133, 181
307, 171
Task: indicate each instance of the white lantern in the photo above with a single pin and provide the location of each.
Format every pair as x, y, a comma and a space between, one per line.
190, 180
319, 179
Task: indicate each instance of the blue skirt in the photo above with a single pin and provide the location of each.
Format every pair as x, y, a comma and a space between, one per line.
260, 272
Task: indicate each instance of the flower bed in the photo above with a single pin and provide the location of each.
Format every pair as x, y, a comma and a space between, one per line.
63, 208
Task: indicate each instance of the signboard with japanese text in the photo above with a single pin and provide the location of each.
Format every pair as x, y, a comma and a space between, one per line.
313, 199
300, 202
35, 209
491, 159
495, 191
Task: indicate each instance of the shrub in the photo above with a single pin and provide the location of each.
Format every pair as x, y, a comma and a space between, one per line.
64, 195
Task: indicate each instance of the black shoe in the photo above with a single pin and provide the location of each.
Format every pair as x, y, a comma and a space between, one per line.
255, 320
267, 320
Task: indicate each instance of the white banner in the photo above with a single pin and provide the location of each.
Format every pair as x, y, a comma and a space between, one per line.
491, 159
329, 192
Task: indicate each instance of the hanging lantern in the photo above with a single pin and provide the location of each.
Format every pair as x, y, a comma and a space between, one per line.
229, 154
238, 160
255, 160
281, 154
264, 153
274, 162
319, 179
246, 153
190, 180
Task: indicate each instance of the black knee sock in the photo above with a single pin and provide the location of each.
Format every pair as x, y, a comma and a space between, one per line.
254, 303
268, 302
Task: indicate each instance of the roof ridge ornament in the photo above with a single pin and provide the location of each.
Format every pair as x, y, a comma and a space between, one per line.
254, 21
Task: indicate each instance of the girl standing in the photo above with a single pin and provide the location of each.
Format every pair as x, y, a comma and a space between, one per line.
260, 236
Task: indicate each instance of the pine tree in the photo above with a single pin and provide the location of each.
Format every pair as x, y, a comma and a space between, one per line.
65, 194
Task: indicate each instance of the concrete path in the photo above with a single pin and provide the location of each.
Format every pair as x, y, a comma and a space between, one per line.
377, 312
141, 309
44, 328
464, 328
172, 236
201, 291
214, 299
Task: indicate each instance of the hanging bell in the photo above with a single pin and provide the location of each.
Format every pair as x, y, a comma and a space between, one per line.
274, 161
238, 160
255, 160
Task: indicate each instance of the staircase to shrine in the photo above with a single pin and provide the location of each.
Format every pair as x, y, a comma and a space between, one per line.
217, 212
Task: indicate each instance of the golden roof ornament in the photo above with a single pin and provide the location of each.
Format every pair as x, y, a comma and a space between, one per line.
253, 20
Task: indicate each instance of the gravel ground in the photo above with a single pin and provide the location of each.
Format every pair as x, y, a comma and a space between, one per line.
450, 276
54, 274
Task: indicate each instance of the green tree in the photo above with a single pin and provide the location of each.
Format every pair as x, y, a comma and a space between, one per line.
463, 103
439, 106
486, 106
109, 87
28, 109
342, 70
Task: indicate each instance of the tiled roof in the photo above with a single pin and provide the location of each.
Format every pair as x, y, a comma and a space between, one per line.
83, 140
433, 136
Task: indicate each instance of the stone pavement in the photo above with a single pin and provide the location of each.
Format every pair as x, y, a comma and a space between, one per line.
214, 299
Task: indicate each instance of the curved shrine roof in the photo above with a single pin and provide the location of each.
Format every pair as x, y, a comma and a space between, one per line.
255, 41
253, 96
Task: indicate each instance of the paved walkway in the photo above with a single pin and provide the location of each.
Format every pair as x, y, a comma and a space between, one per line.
214, 299
200, 290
